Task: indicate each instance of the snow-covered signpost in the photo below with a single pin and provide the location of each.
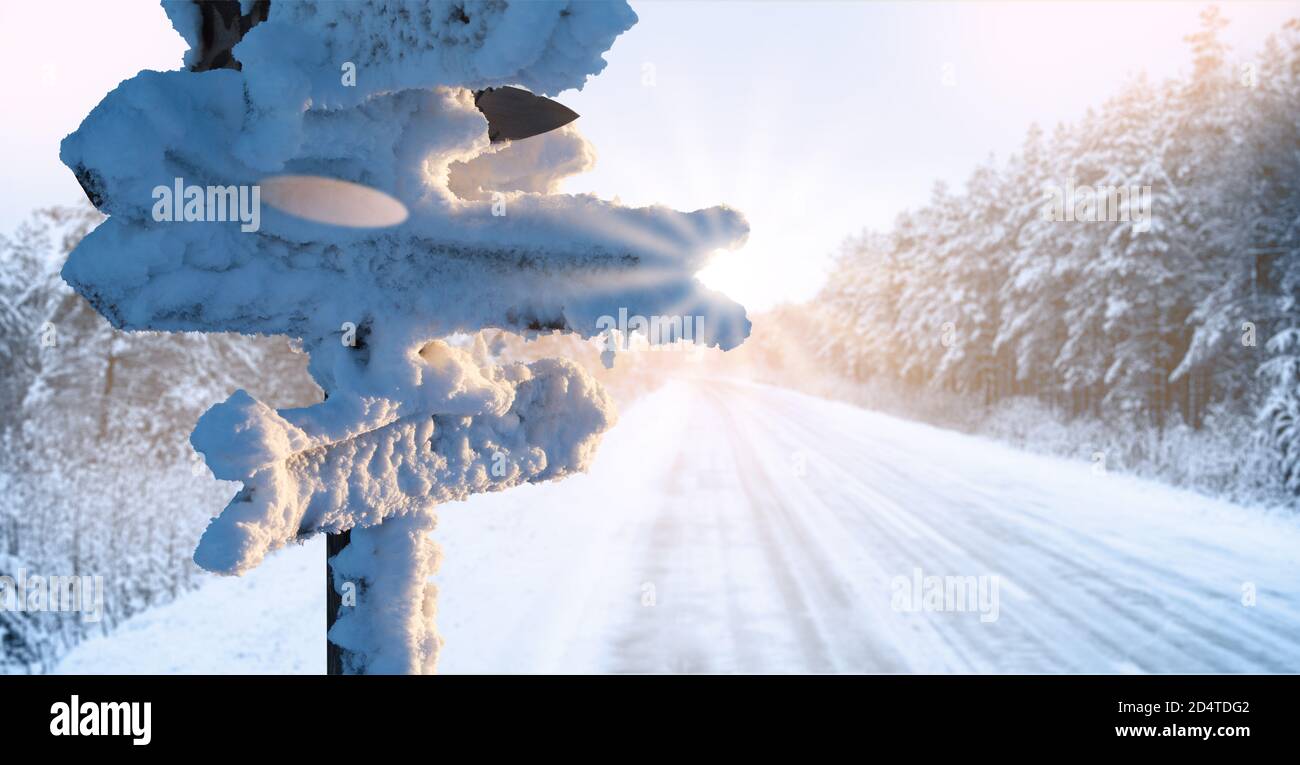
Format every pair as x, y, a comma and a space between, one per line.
392, 221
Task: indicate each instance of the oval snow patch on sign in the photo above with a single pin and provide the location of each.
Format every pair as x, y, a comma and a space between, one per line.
333, 201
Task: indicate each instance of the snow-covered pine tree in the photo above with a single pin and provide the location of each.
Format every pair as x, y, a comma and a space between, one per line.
1277, 247
976, 263
1031, 321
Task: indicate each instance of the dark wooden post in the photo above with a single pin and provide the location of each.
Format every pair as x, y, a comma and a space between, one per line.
334, 544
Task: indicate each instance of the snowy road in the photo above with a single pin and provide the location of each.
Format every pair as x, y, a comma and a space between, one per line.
729, 527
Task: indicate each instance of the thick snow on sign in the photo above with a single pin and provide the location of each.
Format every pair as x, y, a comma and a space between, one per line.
343, 463
409, 421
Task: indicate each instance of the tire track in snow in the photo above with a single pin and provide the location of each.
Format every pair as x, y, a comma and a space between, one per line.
851, 582
1101, 581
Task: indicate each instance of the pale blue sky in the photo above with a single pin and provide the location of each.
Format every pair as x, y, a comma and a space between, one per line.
815, 119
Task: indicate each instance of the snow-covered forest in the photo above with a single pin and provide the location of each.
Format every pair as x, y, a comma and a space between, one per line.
1173, 351
97, 473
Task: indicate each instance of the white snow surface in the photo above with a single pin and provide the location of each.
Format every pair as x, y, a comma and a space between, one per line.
768, 527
